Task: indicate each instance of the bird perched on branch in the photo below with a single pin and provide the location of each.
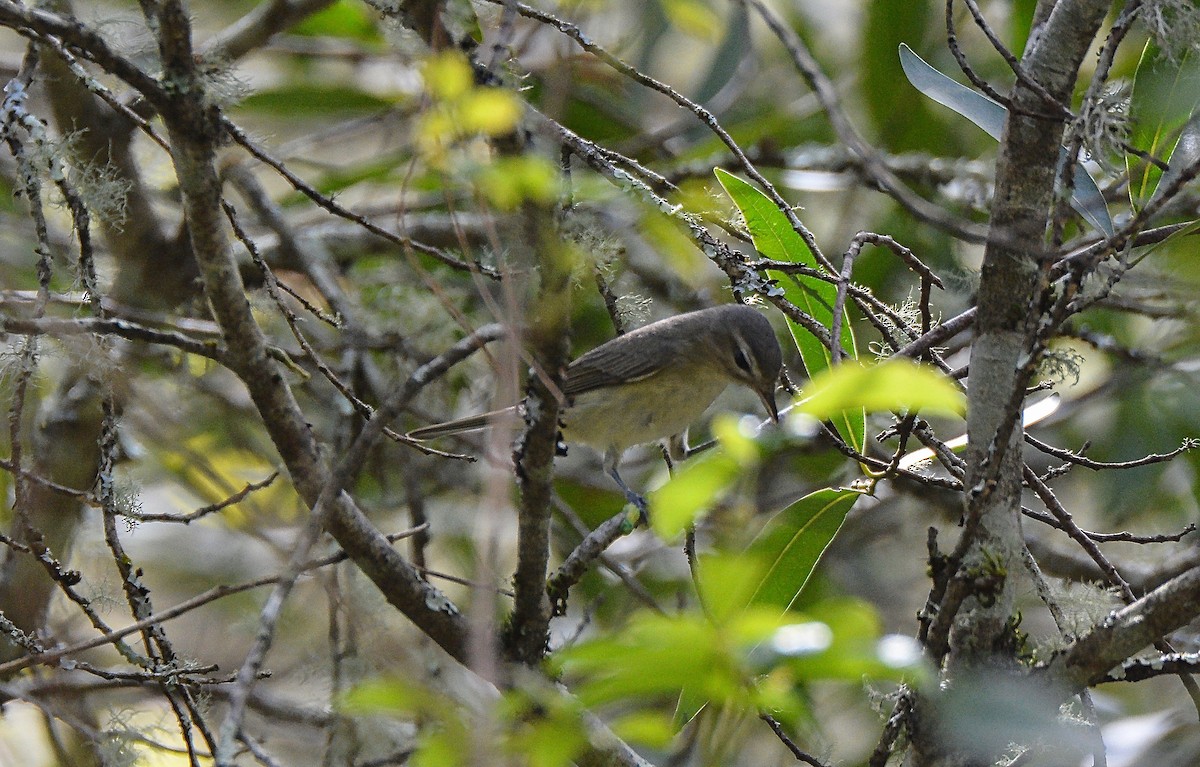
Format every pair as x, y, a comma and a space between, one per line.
653, 382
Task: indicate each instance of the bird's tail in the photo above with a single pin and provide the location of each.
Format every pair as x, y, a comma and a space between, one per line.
460, 425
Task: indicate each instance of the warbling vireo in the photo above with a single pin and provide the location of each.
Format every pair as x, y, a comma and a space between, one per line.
653, 382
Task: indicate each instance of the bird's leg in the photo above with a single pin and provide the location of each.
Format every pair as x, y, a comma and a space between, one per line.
676, 450
611, 459
634, 498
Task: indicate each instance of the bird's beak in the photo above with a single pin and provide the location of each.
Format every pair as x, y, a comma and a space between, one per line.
768, 400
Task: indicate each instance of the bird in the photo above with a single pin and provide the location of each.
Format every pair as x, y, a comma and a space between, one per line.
653, 382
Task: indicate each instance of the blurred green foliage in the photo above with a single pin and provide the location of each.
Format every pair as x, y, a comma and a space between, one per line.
782, 598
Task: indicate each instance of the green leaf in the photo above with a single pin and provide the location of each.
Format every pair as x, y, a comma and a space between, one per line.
346, 19
774, 237
691, 492
448, 75
651, 728
693, 18
727, 583
393, 695
1164, 101
1020, 21
1184, 156
381, 695
892, 385
507, 182
748, 662
701, 482
653, 655
738, 436
311, 100
381, 169
656, 656
490, 111
1086, 197
690, 704
791, 544
543, 736
441, 748
735, 46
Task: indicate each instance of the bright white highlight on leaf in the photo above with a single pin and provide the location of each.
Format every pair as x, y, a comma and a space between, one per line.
799, 425
802, 638
749, 426
899, 651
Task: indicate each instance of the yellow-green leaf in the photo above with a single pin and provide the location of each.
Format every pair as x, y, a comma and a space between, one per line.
893, 385
691, 492
448, 75
490, 111
694, 18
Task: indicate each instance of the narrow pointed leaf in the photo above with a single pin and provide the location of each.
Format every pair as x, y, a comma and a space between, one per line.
1185, 155
990, 116
1087, 199
774, 237
971, 104
1166, 94
791, 544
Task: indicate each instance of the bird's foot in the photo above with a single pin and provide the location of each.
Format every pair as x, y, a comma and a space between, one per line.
643, 517
643, 513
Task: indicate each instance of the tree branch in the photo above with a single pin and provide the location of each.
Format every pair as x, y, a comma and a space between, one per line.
1124, 632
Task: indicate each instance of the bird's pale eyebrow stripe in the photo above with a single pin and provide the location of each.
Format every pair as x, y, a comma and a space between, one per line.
747, 353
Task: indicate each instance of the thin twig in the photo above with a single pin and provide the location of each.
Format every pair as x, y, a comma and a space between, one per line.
52, 657
801, 756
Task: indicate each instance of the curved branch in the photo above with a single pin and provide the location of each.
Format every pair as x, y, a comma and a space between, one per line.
1124, 632
194, 127
257, 27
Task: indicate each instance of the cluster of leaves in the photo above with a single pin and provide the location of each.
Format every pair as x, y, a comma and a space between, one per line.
445, 192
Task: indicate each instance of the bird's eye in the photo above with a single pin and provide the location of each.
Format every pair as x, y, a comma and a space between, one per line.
739, 359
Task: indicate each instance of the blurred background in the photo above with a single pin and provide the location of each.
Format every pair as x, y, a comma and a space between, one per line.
355, 104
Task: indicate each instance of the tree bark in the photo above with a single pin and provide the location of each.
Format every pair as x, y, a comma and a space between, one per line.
1003, 359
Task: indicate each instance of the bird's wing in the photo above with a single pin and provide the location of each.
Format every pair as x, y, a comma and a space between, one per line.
610, 364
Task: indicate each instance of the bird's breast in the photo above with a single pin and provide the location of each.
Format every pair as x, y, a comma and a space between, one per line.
642, 411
